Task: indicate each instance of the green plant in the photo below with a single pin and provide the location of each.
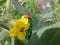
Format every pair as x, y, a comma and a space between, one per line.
44, 27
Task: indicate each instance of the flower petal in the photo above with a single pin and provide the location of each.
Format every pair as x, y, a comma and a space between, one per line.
21, 35
25, 20
27, 26
12, 32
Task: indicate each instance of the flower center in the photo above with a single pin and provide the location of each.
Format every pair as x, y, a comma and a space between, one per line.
22, 29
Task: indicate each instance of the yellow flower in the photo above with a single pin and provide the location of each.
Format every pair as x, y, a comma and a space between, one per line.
20, 26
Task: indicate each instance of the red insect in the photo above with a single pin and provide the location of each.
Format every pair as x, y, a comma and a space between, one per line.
27, 17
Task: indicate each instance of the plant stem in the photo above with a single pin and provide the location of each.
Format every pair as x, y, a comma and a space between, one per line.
8, 8
12, 41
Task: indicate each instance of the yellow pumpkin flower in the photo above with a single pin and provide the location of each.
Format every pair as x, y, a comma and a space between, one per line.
20, 26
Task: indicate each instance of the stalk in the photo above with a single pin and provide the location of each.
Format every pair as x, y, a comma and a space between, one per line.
12, 41
8, 9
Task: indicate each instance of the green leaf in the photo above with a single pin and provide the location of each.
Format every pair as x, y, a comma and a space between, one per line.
56, 38
44, 35
3, 34
47, 36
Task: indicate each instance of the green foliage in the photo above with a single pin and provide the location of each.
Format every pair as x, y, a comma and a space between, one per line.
56, 8
3, 34
46, 36
2, 2
44, 27
56, 38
